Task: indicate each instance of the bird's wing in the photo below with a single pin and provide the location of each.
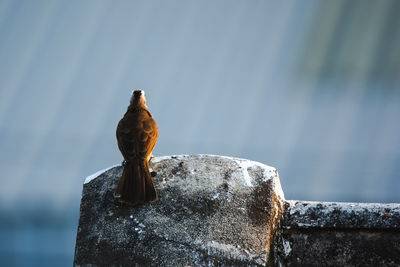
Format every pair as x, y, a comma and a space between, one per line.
126, 140
148, 137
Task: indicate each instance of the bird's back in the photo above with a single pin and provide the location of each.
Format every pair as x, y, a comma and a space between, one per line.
137, 133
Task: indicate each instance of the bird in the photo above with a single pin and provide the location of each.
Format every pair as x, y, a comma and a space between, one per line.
137, 134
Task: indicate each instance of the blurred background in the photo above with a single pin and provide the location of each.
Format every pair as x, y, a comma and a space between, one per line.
309, 87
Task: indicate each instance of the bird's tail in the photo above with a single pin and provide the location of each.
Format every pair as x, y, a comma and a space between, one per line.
136, 186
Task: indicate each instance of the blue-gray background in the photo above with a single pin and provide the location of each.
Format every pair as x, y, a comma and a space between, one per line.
309, 87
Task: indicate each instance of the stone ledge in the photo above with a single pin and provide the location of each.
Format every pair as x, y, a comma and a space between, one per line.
338, 234
212, 210
337, 215
215, 210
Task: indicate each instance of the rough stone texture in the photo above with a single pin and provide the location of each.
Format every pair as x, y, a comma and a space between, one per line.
305, 214
212, 210
338, 234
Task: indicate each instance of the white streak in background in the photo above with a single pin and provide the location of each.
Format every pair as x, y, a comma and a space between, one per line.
345, 115
97, 174
18, 55
183, 23
263, 78
4, 10
48, 116
219, 50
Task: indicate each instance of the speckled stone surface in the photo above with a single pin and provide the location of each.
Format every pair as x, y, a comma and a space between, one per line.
309, 214
338, 234
212, 210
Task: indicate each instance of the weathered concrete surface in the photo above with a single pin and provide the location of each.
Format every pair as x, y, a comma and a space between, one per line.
338, 234
211, 210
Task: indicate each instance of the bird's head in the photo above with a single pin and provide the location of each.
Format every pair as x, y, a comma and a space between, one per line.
138, 98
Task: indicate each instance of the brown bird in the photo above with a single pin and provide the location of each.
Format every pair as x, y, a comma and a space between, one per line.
137, 134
